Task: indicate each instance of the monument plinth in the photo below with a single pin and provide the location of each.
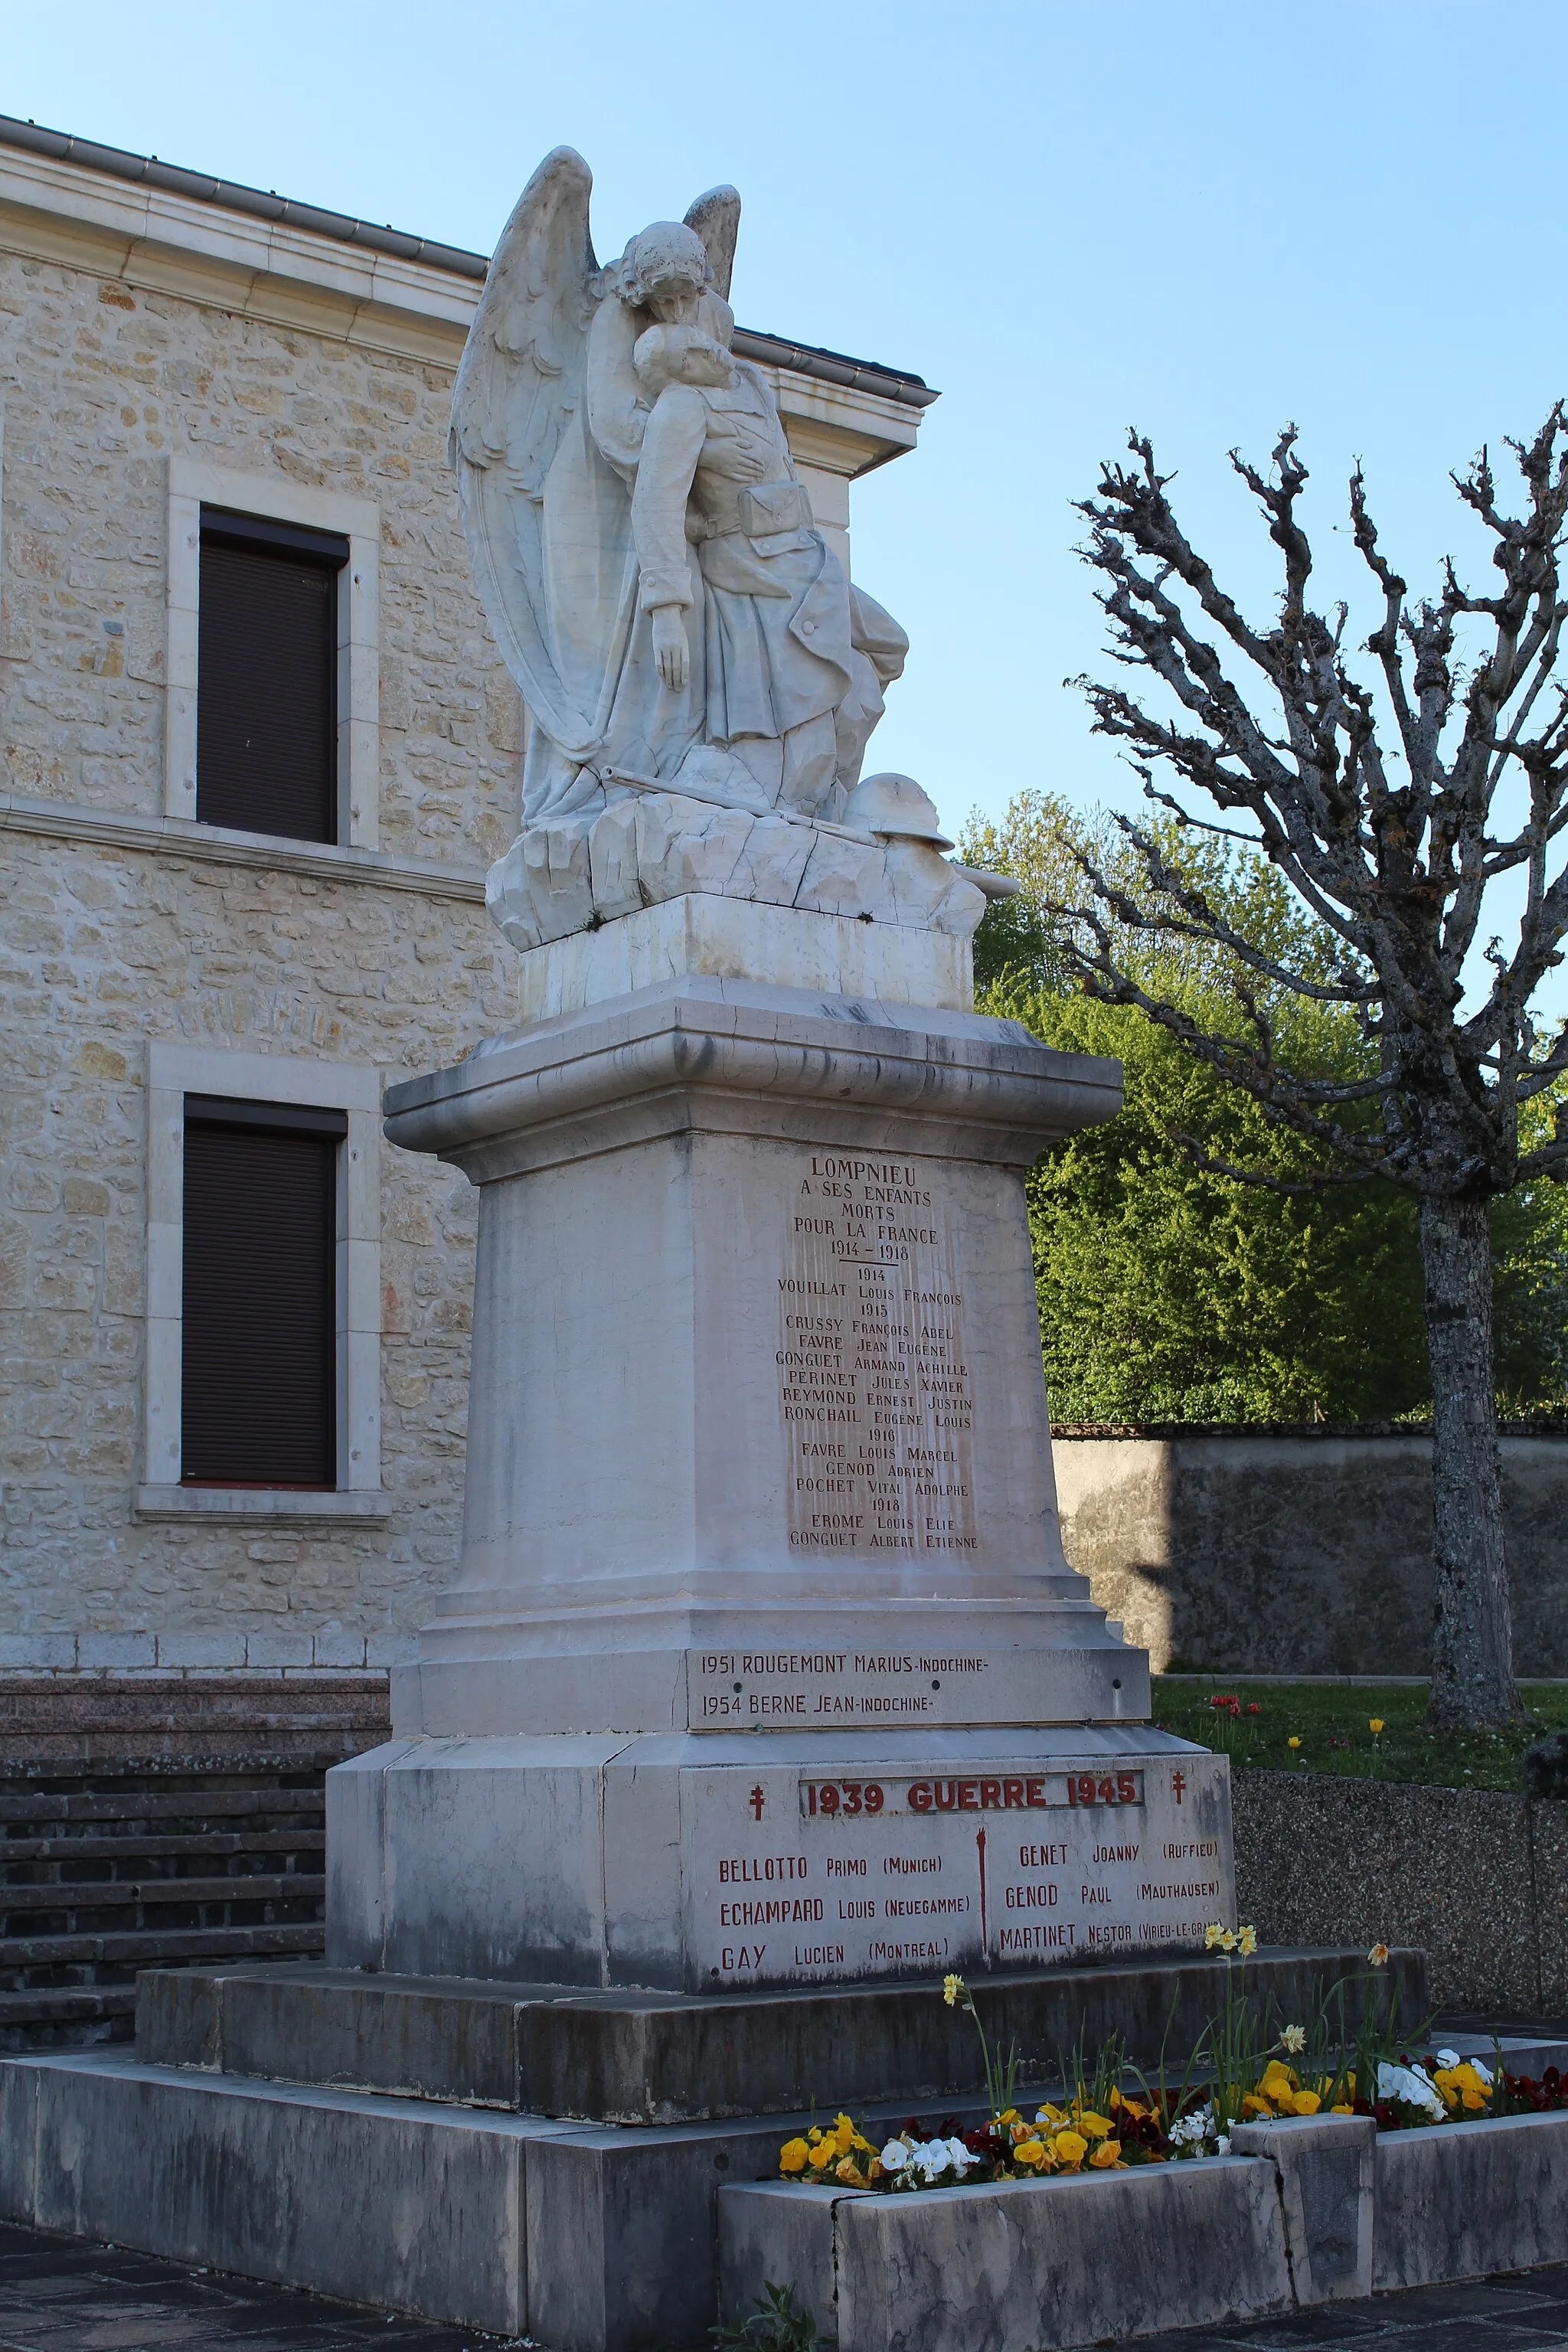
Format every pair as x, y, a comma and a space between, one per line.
763, 1663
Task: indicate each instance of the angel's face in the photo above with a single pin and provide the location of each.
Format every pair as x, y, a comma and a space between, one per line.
673, 301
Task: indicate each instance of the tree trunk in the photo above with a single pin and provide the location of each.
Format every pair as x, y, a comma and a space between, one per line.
1472, 1625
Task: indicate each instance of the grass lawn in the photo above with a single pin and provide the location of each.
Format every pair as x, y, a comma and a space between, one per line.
1332, 1720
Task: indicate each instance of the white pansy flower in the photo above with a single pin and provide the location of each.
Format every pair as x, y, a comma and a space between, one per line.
1450, 2058
1413, 2087
894, 2156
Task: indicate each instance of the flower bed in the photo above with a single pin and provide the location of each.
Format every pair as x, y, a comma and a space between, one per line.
1305, 2209
1236, 2074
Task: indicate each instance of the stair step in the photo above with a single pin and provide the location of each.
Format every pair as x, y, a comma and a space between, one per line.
170, 1947
66, 2004
102, 1895
207, 1843
161, 1804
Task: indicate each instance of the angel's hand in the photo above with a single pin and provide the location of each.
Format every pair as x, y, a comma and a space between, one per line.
671, 651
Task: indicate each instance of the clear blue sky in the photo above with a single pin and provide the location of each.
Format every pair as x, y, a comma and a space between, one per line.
1203, 220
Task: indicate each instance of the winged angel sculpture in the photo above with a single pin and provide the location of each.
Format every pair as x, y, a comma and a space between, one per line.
646, 552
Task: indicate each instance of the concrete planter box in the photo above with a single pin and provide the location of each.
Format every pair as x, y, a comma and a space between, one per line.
1017, 2266
1467, 2199
1302, 2212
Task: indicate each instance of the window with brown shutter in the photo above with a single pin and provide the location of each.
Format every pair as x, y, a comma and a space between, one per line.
258, 1389
267, 676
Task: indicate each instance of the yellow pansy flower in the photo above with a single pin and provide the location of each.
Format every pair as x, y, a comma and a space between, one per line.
1306, 2103
1070, 2147
1094, 2127
1107, 2155
1029, 2152
793, 2156
823, 2155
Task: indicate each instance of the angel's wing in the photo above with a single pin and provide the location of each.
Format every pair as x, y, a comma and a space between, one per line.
518, 389
716, 217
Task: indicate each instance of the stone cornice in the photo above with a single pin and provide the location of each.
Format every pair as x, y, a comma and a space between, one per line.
843, 416
214, 845
178, 245
743, 1057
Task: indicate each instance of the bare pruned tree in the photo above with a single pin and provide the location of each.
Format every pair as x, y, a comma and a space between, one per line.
1392, 804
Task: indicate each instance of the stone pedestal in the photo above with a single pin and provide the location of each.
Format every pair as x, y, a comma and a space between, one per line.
763, 1663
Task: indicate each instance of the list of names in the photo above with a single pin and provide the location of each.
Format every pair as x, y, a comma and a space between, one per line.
875, 1387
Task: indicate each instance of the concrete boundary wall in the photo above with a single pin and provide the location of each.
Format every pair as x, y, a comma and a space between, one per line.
1280, 1554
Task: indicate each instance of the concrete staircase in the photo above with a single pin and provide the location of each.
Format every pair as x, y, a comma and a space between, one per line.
154, 1822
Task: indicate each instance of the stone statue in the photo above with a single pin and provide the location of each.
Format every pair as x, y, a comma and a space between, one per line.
684, 639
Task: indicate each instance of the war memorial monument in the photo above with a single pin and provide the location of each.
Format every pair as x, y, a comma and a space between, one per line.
763, 1697
764, 1666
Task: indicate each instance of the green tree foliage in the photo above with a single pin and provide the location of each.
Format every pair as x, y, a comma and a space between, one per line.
1173, 1291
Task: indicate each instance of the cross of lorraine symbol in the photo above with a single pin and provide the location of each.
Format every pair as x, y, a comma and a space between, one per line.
756, 1801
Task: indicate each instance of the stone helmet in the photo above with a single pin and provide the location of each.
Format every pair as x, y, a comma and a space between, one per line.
896, 805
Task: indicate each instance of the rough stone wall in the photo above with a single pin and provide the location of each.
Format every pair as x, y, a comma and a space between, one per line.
103, 948
1299, 1555
103, 383
1477, 1880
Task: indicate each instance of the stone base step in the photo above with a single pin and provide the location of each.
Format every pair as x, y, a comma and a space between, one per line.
587, 2239
596, 2239
669, 2058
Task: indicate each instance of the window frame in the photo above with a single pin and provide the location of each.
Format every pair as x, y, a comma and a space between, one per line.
192, 484
353, 1087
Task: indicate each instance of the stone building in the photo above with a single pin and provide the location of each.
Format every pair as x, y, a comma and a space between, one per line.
208, 394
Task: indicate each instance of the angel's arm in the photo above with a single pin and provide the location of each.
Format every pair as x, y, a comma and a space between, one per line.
672, 445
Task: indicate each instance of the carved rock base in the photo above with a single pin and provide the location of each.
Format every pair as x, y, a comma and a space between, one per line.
580, 871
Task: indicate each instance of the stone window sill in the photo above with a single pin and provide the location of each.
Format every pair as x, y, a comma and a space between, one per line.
262, 1507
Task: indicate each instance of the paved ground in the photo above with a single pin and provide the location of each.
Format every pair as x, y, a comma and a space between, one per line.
60, 2297
1526, 2313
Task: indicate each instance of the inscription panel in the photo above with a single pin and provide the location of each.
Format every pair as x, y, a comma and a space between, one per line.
772, 1688
876, 1395
822, 1876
